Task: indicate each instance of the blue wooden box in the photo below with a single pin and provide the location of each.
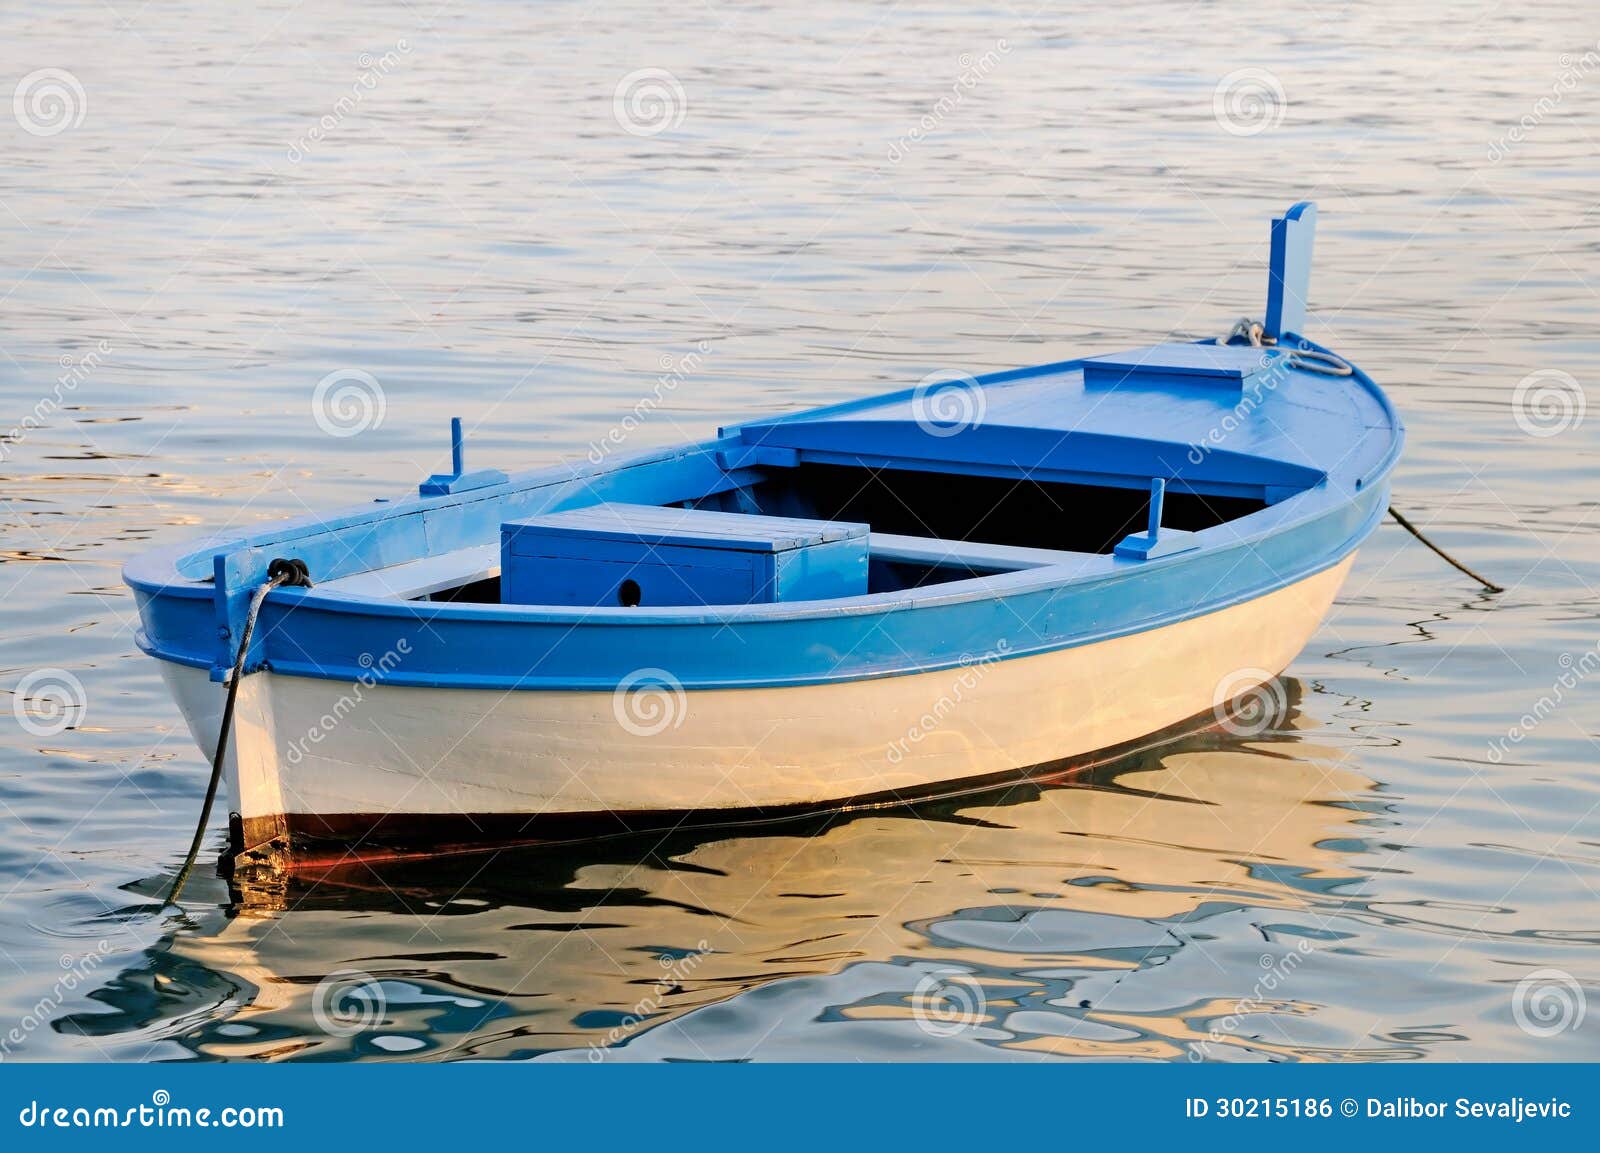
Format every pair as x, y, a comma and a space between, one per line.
625, 554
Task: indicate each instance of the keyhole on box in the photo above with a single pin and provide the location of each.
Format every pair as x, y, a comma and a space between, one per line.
628, 594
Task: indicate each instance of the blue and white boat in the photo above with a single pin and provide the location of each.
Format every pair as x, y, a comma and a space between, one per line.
867, 602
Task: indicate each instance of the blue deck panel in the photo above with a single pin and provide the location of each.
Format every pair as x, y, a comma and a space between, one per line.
1288, 428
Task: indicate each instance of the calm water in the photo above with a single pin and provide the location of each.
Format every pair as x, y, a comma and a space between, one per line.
221, 209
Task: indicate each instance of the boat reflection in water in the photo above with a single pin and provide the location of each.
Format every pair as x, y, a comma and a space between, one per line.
1177, 904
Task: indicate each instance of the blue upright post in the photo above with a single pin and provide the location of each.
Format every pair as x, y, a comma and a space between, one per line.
459, 479
1289, 280
1158, 494
1155, 541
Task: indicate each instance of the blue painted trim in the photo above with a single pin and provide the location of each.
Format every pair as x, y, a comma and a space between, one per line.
488, 646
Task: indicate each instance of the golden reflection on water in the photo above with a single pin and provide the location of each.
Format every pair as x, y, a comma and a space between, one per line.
559, 949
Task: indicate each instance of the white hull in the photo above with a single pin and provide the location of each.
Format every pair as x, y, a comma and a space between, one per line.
306, 747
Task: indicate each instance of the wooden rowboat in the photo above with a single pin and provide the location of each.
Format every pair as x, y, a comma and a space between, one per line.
872, 601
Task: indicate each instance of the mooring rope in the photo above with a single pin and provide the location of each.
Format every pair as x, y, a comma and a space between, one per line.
1253, 331
1327, 364
1417, 532
279, 573
1306, 359
1311, 360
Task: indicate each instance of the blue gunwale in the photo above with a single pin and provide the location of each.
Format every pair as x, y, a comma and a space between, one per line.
323, 633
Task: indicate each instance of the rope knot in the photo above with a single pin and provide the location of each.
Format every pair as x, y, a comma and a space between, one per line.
289, 572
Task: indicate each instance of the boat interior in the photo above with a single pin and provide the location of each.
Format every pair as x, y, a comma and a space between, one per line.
918, 510
924, 528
